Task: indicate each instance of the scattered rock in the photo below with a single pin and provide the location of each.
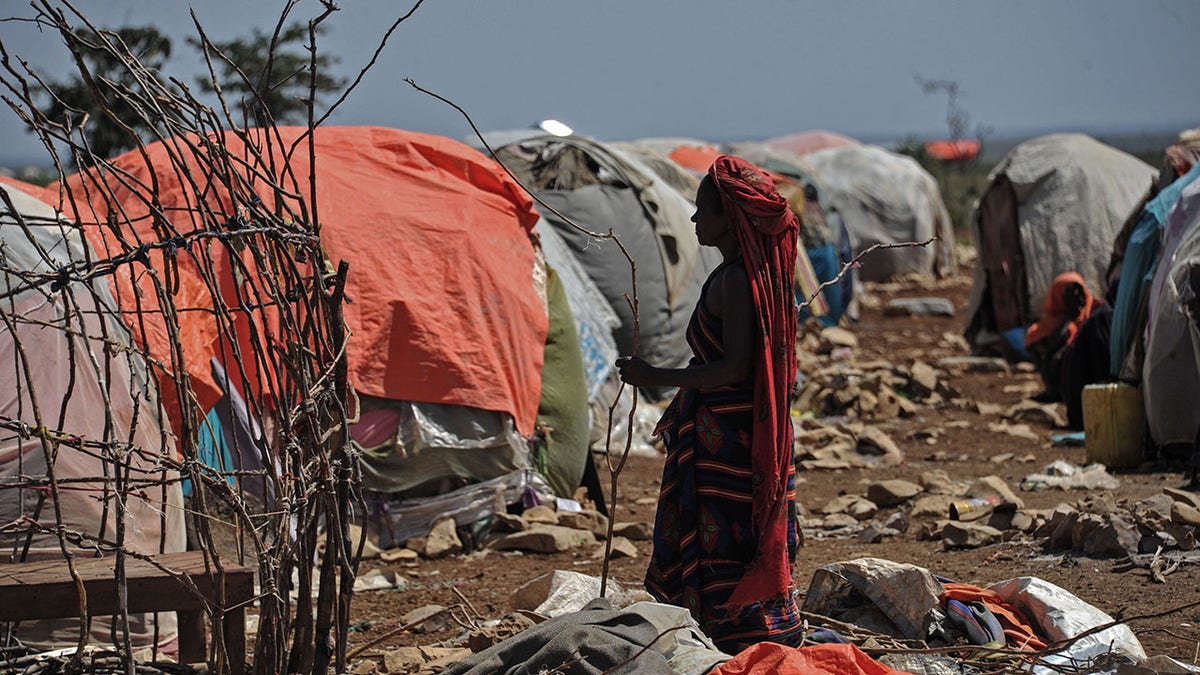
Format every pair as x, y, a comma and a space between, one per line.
399, 555
892, 492
1026, 367
932, 531
898, 522
1001, 458
508, 522
919, 307
1105, 535
540, 514
589, 521
871, 534
1023, 521
834, 337
1185, 514
836, 521
638, 531
488, 635
1184, 496
924, 379
621, 548
930, 506
365, 667
873, 442
938, 482
1017, 430
427, 619
994, 485
645, 501
403, 660
973, 364
968, 535
545, 539
988, 409
442, 540
1039, 413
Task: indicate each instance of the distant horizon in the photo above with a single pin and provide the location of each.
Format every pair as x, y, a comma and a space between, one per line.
1006, 138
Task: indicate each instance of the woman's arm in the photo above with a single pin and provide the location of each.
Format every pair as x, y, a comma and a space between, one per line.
734, 304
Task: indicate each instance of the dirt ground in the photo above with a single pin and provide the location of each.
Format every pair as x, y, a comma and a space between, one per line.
484, 580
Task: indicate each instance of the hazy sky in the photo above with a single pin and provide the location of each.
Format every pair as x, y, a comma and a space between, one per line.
715, 69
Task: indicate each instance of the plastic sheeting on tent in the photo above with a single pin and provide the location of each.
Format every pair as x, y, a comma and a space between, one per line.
886, 198
1139, 261
1171, 373
1054, 204
603, 188
444, 307
67, 352
807, 142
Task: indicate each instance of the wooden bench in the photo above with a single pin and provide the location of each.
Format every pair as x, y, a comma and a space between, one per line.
45, 590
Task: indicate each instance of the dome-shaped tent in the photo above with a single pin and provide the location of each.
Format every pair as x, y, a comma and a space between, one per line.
887, 198
1054, 204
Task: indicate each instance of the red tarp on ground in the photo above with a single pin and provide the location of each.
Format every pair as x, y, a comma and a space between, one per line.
950, 151
805, 142
442, 306
768, 658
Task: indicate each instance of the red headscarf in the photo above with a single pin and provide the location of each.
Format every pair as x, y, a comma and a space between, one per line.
1054, 310
766, 231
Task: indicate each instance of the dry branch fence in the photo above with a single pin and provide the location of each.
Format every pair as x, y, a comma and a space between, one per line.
126, 316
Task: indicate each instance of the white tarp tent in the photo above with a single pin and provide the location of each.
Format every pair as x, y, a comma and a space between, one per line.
887, 198
69, 369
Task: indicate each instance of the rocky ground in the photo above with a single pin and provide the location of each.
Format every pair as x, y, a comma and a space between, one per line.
894, 424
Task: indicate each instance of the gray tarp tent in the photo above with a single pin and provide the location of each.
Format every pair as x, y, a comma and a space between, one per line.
887, 198
1054, 204
603, 188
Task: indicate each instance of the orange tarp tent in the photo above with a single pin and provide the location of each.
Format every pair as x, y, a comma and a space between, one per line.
441, 302
950, 151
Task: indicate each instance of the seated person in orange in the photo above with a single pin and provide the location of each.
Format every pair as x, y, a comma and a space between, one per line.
1069, 343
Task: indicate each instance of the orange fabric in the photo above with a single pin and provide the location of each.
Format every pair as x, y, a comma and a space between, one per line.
952, 150
1054, 309
441, 300
1017, 629
695, 158
769, 658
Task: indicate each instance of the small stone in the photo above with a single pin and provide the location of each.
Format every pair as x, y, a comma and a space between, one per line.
508, 522
871, 534
897, 521
938, 482
1026, 367
1023, 521
1001, 458
837, 521
930, 506
403, 660
621, 548
540, 514
365, 667
873, 442
1185, 514
968, 535
1158, 507
1038, 413
924, 379
994, 486
932, 531
919, 307
892, 492
645, 501
638, 531
427, 619
862, 509
988, 409
974, 364
442, 540
1178, 495
589, 521
839, 504
834, 337
1017, 430
398, 555
545, 539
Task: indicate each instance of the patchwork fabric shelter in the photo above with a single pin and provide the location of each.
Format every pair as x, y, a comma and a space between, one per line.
1170, 376
446, 290
71, 373
887, 198
1054, 204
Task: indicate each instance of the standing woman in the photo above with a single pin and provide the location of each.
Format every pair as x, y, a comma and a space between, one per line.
724, 535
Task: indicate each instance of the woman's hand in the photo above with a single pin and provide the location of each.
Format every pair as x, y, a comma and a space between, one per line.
635, 371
